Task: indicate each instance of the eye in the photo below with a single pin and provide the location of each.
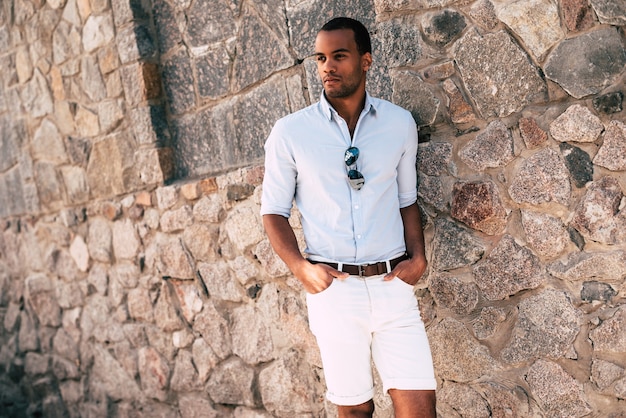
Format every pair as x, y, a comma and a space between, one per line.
320, 58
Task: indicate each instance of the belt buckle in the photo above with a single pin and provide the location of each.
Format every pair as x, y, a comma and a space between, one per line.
362, 268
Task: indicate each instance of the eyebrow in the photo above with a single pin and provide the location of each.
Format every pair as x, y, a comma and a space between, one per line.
333, 52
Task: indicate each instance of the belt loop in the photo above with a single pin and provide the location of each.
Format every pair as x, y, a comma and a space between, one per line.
340, 266
388, 266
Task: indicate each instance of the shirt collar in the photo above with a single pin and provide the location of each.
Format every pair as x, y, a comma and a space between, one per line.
328, 110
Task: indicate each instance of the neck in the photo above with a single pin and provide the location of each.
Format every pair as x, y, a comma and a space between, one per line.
349, 108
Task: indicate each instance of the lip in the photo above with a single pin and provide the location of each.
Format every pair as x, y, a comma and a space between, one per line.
331, 80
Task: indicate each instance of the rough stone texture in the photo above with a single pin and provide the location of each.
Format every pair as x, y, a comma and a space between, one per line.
447, 358
508, 269
491, 148
547, 325
576, 124
586, 64
536, 22
546, 234
133, 267
478, 205
513, 88
598, 216
612, 153
558, 393
542, 178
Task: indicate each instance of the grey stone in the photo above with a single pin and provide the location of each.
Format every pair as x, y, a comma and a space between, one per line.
27, 337
455, 398
172, 260
441, 28
610, 335
126, 274
125, 11
478, 205
612, 153
97, 31
289, 386
237, 192
14, 135
597, 291
177, 77
213, 69
218, 281
487, 322
433, 158
609, 103
454, 246
209, 22
100, 240
176, 219
558, 393
166, 197
610, 12
251, 336
545, 234
243, 227
36, 97
140, 305
167, 30
232, 383
542, 178
47, 143
149, 124
215, 330
76, 184
273, 265
36, 364
597, 216
604, 373
547, 326
184, 376
165, 314
586, 64
93, 84
189, 299
202, 241
42, 299
576, 124
506, 401
204, 359
69, 295
536, 22
194, 405
491, 148
125, 241
451, 292
110, 114
251, 63
609, 266
66, 42
399, 42
463, 361
154, 372
110, 165
430, 190
518, 82
134, 42
109, 373
413, 94
499, 278
578, 163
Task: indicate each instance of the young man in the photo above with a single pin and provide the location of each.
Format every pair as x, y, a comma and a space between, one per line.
349, 162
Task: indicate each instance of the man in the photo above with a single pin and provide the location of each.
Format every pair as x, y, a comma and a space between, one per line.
349, 162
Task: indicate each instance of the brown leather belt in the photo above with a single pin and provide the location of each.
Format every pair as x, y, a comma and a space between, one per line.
366, 270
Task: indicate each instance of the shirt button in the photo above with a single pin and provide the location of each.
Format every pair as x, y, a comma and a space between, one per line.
358, 236
356, 206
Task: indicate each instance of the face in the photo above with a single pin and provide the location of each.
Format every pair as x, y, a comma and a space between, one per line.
340, 66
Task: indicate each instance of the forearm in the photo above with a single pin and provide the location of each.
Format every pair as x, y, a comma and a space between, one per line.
283, 241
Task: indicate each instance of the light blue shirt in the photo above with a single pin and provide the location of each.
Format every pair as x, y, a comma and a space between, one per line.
304, 159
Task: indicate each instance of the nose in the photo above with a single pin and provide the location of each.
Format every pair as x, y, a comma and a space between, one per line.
328, 67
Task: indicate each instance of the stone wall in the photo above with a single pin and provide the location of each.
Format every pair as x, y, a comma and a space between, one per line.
136, 280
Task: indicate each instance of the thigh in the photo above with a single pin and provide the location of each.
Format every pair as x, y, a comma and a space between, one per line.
337, 320
400, 345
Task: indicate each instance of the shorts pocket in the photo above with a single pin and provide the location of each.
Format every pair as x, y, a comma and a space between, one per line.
403, 283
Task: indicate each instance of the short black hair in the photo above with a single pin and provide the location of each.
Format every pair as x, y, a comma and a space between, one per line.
361, 35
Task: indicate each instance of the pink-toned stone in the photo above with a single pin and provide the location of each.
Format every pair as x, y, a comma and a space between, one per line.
532, 134
460, 111
478, 205
577, 14
612, 153
154, 372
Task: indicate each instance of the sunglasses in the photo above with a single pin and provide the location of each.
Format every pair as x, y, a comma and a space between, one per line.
355, 178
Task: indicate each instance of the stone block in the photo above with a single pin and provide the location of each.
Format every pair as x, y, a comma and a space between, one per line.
577, 15
154, 166
232, 383
453, 398
211, 22
76, 184
588, 63
610, 335
100, 240
454, 246
176, 219
110, 166
443, 27
140, 305
451, 292
486, 325
166, 316
251, 336
98, 31
36, 96
532, 134
243, 227
214, 329
212, 70
202, 242
542, 178
491, 148
578, 163
557, 392
110, 114
609, 103
184, 377
612, 153
478, 205
189, 298
547, 326
413, 94
41, 297
112, 377
610, 12
134, 43
167, 30
141, 82
459, 110
149, 124
546, 234
91, 78
204, 358
177, 78
518, 83
576, 124
125, 241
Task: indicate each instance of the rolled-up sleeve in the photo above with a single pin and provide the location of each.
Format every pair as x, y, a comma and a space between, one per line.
407, 170
279, 181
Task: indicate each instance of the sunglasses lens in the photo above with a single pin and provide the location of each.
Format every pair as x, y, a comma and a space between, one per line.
356, 179
352, 154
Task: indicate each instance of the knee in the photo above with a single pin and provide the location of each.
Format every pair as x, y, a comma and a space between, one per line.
362, 410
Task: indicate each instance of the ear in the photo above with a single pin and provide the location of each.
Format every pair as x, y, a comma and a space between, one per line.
366, 61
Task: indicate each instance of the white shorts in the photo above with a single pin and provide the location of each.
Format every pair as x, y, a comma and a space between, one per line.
358, 319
